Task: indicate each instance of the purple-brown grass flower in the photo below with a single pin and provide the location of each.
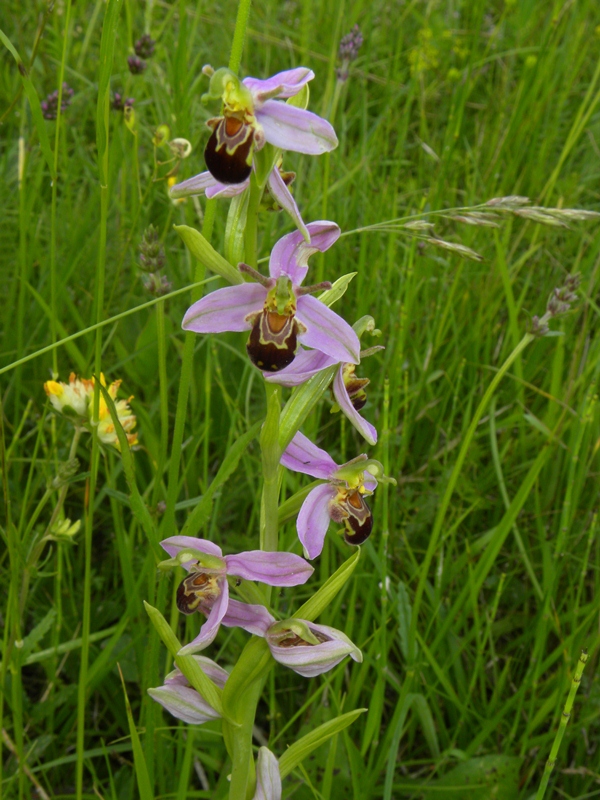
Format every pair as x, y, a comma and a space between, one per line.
184, 702
252, 115
120, 104
144, 46
307, 648
278, 311
50, 104
205, 588
136, 65
348, 389
341, 498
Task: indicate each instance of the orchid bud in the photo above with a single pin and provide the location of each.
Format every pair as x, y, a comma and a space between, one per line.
268, 777
307, 648
185, 703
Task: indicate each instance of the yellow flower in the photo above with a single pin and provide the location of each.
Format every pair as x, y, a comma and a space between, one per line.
106, 428
76, 399
72, 398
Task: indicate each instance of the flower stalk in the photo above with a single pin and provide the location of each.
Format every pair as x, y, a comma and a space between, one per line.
269, 442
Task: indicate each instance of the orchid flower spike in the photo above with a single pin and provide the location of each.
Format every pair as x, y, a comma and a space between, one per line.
307, 648
277, 310
277, 184
205, 588
341, 498
268, 778
185, 703
252, 116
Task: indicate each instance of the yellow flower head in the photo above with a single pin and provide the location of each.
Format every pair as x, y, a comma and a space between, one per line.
72, 398
76, 399
106, 428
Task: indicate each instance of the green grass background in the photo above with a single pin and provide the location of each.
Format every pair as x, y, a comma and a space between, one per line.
450, 104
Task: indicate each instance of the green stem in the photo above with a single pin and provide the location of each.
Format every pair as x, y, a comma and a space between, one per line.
102, 144
103, 323
564, 718
61, 76
271, 453
251, 230
164, 399
239, 36
39, 547
242, 759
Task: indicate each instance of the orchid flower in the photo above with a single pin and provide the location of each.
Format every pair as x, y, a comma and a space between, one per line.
307, 648
205, 588
340, 499
268, 778
277, 310
348, 389
185, 703
252, 116
204, 183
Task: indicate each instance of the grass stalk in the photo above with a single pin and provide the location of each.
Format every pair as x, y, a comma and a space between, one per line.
564, 719
102, 143
53, 202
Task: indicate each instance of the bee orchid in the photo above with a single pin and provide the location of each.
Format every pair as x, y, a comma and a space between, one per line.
278, 311
305, 647
253, 115
205, 588
341, 498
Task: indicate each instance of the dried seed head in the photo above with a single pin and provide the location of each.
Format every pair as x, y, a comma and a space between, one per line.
348, 52
152, 253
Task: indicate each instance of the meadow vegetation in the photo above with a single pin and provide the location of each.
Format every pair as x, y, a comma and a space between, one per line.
478, 589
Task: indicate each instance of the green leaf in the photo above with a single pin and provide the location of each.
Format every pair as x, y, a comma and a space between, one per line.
206, 254
304, 398
330, 589
107, 52
194, 674
493, 777
297, 752
138, 506
424, 713
146, 348
201, 513
404, 618
372, 727
34, 103
38, 633
338, 289
141, 768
